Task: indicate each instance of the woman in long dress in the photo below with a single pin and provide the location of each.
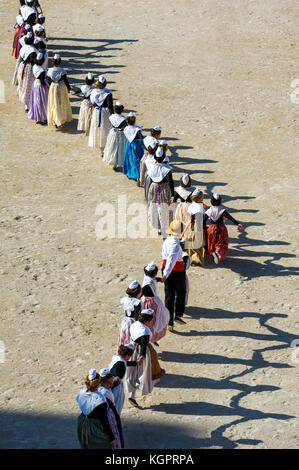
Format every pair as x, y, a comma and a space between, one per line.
39, 93
114, 152
134, 149
160, 195
106, 384
28, 55
102, 101
59, 107
118, 368
148, 371
86, 91
150, 144
132, 306
93, 427
197, 241
217, 233
151, 300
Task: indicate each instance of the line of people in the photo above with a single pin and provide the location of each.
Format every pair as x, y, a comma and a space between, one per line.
178, 214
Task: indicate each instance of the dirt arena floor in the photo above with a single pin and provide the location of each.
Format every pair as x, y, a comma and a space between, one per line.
218, 76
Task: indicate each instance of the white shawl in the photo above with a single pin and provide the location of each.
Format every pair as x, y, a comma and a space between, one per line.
116, 119
26, 11
183, 193
88, 401
131, 131
129, 303
214, 212
196, 208
37, 70
157, 171
86, 90
138, 329
55, 73
26, 51
98, 96
106, 393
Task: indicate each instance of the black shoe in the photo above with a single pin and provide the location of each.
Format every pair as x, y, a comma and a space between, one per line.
133, 402
155, 343
180, 320
114, 168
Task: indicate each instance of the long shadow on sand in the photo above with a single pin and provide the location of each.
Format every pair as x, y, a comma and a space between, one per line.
227, 383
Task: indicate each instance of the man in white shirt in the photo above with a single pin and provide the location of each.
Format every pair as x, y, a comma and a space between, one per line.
174, 274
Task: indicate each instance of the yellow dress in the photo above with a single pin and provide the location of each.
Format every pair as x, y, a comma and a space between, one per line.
59, 107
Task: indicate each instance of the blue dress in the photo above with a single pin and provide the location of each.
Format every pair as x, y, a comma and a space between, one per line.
133, 154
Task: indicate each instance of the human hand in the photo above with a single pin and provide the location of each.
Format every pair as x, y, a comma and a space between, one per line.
72, 92
163, 279
241, 226
113, 443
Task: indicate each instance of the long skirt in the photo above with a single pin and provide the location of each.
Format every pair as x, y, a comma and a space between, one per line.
158, 325
143, 170
198, 254
15, 81
83, 115
147, 185
115, 424
157, 371
160, 211
124, 336
59, 107
16, 46
140, 376
133, 154
119, 397
218, 240
90, 433
98, 135
25, 81
88, 119
114, 153
38, 102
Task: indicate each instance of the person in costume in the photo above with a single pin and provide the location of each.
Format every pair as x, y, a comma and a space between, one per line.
28, 11
114, 152
39, 32
34, 3
156, 132
134, 148
59, 107
93, 428
102, 101
151, 300
118, 368
161, 192
217, 234
21, 42
132, 306
106, 384
39, 93
196, 232
148, 371
28, 55
84, 112
150, 144
174, 276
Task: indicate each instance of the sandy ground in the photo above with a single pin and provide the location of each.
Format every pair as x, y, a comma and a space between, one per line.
216, 75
